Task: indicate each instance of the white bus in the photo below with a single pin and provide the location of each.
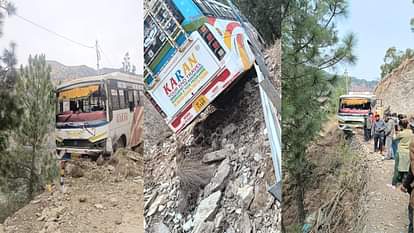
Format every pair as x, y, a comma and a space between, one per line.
354, 107
193, 51
96, 115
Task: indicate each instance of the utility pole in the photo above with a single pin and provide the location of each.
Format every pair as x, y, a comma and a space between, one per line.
98, 56
346, 81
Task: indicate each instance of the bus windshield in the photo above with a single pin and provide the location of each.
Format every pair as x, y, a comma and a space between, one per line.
355, 105
81, 104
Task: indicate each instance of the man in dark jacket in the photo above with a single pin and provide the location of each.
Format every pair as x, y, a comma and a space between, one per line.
378, 129
367, 126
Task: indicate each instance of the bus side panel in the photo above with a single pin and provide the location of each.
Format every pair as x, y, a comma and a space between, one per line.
120, 125
234, 39
136, 127
184, 79
239, 58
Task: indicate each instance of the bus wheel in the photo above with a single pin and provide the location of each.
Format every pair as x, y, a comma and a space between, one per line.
121, 143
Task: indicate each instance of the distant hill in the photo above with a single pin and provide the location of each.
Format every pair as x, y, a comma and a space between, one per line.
62, 72
363, 85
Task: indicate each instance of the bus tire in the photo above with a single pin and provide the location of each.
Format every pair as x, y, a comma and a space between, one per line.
120, 143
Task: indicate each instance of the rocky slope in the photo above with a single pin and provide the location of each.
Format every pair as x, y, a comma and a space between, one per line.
214, 176
396, 89
60, 72
99, 198
362, 85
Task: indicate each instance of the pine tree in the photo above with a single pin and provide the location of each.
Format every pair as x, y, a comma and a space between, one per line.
264, 15
9, 110
310, 45
33, 136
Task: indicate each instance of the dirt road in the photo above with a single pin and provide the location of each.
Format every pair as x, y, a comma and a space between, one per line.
107, 198
386, 207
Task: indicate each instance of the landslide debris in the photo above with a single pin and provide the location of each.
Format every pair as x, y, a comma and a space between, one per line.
214, 176
106, 198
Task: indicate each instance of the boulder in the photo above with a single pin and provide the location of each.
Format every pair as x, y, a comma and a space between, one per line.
219, 179
207, 208
215, 156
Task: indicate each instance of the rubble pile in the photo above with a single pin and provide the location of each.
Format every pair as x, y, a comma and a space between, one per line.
395, 90
99, 197
214, 176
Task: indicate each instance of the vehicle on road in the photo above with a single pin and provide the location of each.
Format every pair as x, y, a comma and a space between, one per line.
96, 115
354, 107
193, 51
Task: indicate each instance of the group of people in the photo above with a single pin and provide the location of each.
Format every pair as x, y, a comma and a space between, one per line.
394, 139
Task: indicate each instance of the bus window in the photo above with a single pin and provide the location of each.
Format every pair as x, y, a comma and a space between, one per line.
122, 104
115, 99
83, 100
173, 8
154, 39
137, 98
131, 102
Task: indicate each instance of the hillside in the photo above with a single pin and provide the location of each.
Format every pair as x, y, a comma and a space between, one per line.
62, 72
362, 85
396, 89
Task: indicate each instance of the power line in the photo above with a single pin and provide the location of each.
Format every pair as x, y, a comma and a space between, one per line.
105, 56
54, 33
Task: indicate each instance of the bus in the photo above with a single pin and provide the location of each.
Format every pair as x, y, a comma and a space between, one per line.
193, 51
97, 115
354, 107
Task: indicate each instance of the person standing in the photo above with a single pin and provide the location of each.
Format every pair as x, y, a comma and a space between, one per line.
407, 186
389, 134
367, 126
378, 129
403, 158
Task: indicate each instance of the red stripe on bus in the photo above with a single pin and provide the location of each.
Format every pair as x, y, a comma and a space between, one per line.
231, 26
220, 78
211, 20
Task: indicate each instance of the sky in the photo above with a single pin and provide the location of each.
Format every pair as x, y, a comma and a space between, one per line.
378, 25
117, 27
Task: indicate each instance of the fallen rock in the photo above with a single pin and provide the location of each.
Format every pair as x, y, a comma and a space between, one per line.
82, 199
100, 161
75, 171
260, 198
204, 227
160, 228
154, 206
229, 129
245, 224
215, 156
246, 194
207, 208
219, 179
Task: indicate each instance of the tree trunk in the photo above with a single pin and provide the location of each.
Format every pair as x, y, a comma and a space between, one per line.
32, 173
300, 191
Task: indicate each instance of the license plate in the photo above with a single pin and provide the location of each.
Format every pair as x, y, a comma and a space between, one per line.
200, 103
